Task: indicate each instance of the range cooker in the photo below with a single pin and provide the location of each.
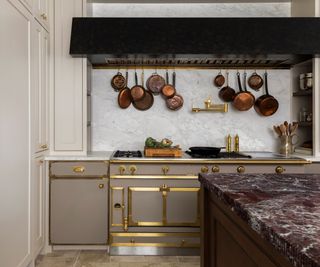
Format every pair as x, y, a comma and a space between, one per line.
139, 154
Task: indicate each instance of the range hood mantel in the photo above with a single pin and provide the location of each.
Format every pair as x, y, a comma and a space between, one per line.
274, 42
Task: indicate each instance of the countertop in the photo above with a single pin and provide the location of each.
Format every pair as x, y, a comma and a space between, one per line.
256, 157
283, 209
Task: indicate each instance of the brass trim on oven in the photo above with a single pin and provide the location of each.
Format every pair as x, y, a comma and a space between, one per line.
228, 161
164, 190
154, 177
112, 189
159, 244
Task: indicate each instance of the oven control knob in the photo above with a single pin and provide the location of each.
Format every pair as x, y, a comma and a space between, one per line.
215, 168
132, 169
241, 169
280, 169
122, 169
204, 169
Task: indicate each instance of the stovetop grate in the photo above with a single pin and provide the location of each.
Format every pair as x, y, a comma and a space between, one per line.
128, 154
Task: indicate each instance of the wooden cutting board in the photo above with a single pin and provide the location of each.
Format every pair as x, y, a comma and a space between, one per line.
163, 152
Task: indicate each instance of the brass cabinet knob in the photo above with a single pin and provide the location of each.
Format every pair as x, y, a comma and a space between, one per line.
204, 169
101, 186
79, 169
44, 16
122, 169
215, 168
132, 169
279, 169
165, 170
132, 240
183, 242
241, 169
117, 206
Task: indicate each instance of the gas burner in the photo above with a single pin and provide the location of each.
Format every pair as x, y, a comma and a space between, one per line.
224, 155
128, 154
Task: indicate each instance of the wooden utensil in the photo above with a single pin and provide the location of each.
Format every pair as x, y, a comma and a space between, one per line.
278, 132
283, 129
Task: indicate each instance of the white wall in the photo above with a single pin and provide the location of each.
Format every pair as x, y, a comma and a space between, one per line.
114, 128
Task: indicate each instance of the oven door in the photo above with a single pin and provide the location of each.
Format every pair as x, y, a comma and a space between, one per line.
163, 206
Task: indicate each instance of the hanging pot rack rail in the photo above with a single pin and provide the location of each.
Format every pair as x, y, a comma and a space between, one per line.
191, 63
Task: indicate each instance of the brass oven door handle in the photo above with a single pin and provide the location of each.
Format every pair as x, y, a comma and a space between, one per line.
79, 169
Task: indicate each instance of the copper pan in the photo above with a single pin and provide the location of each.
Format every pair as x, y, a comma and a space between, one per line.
147, 101
266, 105
137, 91
255, 81
227, 94
175, 102
155, 83
124, 97
169, 90
219, 80
243, 100
118, 82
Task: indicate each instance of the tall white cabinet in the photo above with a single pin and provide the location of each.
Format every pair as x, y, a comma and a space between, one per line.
69, 133
24, 51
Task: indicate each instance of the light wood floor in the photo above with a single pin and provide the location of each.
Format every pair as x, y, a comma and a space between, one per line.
97, 258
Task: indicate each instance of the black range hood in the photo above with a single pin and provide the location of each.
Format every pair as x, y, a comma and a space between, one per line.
273, 42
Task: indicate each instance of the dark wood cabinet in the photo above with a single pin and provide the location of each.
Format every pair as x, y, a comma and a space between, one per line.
227, 241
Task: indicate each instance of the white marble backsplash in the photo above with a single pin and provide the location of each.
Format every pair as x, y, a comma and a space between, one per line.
192, 10
115, 128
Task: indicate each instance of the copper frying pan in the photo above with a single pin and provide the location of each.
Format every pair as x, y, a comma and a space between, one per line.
118, 82
147, 101
175, 102
243, 100
124, 97
255, 81
155, 83
219, 80
227, 94
137, 91
169, 90
266, 105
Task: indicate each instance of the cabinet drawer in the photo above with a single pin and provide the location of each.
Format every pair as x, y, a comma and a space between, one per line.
78, 169
176, 240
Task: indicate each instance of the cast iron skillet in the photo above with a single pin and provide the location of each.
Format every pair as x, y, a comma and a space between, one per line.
204, 150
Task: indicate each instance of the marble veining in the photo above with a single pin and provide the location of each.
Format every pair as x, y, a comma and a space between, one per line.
114, 128
191, 10
283, 209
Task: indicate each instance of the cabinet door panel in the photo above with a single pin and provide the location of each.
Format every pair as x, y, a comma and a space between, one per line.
15, 69
78, 211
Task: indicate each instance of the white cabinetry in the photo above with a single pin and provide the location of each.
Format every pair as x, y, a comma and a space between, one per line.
15, 196
69, 103
41, 12
39, 113
23, 68
38, 200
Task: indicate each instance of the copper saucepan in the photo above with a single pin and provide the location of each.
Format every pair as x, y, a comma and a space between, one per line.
227, 94
243, 100
266, 105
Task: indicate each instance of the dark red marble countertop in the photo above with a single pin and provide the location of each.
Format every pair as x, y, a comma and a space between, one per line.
283, 209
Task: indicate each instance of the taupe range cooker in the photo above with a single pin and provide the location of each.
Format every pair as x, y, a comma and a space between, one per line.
155, 202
